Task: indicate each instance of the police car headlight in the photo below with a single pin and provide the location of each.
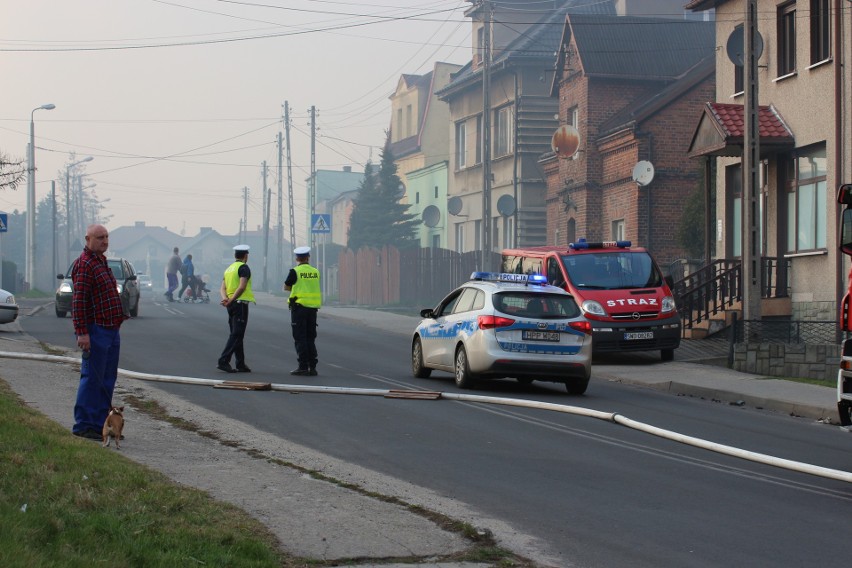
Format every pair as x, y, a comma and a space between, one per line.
668, 304
65, 288
594, 308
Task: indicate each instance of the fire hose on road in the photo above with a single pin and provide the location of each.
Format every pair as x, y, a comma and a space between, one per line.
429, 395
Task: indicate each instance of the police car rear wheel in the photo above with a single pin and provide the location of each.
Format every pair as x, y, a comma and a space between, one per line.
417, 367
464, 378
577, 386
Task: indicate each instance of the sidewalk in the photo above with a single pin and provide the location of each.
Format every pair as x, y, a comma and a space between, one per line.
322, 520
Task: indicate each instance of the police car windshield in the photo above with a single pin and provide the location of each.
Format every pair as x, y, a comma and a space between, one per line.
612, 270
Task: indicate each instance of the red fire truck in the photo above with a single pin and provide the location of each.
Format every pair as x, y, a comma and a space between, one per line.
844, 375
619, 287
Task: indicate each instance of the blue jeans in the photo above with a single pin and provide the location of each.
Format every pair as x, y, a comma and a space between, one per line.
98, 374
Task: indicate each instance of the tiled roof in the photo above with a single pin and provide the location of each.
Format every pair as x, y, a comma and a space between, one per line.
730, 118
640, 48
540, 41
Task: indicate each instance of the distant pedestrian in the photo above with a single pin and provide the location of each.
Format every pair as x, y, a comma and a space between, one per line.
303, 283
97, 314
172, 270
187, 277
236, 294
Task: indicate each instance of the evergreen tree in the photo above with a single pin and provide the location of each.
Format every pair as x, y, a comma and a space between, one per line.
378, 217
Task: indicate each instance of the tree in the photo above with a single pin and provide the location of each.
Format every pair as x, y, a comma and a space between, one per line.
12, 172
690, 234
378, 217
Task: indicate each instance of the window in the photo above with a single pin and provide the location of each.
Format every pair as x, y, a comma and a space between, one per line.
436, 241
461, 145
807, 200
508, 231
409, 122
477, 234
417, 197
436, 192
739, 79
618, 230
820, 30
503, 131
478, 153
399, 134
786, 39
574, 120
459, 237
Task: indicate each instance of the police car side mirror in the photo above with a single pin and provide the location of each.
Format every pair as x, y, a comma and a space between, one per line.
426, 313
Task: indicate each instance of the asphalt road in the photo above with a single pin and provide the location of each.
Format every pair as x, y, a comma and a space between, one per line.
592, 493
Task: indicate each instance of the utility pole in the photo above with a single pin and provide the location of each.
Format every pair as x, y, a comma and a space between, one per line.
279, 232
267, 192
53, 222
290, 204
751, 162
486, 135
245, 215
312, 202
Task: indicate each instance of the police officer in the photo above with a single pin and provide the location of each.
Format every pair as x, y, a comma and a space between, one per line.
236, 294
303, 283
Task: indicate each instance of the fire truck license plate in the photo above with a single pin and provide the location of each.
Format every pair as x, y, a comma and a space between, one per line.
530, 335
638, 335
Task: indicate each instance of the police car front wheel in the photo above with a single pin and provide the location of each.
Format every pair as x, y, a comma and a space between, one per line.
417, 368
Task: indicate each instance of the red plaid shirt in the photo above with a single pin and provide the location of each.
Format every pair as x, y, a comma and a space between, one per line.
96, 298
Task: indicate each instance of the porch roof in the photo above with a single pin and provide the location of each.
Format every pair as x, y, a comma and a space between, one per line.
721, 128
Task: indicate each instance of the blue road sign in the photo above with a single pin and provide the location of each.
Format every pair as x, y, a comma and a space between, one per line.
4, 219
320, 223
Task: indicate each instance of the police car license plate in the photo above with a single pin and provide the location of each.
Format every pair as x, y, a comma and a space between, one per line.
638, 335
532, 335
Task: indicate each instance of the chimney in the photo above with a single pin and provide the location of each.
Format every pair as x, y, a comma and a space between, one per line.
347, 169
139, 224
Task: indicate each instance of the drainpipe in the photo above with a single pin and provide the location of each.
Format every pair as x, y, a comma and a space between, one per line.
840, 284
515, 164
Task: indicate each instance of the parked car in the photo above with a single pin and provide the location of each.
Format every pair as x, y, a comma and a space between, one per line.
125, 276
505, 325
145, 283
8, 307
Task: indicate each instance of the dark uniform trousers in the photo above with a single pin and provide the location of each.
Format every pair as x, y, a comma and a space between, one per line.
238, 313
304, 322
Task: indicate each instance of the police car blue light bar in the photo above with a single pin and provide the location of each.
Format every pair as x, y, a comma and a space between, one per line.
508, 277
582, 244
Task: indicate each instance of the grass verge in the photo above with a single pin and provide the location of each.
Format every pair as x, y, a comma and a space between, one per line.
65, 502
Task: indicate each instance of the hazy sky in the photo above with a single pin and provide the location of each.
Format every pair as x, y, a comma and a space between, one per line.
181, 101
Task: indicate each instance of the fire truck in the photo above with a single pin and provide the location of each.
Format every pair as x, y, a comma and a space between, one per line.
619, 287
844, 375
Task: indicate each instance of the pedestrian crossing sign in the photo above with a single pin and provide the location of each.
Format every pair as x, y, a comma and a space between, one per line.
320, 223
4, 218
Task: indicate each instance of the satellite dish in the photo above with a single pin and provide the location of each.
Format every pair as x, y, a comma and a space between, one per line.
506, 205
454, 205
431, 216
565, 141
643, 173
736, 46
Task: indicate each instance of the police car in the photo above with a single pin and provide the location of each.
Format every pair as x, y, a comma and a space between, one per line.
505, 325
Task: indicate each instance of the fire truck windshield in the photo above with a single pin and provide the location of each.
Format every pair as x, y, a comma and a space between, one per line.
612, 270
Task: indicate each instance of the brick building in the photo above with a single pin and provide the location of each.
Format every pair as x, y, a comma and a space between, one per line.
633, 88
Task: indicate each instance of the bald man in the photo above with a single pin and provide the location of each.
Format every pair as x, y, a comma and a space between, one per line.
97, 314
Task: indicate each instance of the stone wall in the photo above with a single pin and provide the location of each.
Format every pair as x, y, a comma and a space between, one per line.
788, 360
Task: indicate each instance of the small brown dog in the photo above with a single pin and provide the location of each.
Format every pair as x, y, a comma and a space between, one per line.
113, 426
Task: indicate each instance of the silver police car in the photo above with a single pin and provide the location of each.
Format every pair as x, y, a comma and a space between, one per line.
505, 325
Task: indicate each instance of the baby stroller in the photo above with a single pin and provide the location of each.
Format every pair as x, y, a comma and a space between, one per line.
197, 291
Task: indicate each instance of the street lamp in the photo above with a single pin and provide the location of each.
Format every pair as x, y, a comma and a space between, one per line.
68, 207
31, 198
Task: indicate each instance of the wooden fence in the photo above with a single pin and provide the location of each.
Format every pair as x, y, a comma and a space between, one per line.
417, 277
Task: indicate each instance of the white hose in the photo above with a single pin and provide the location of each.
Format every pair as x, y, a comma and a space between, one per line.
575, 410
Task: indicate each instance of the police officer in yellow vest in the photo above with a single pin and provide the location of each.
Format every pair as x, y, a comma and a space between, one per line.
236, 294
303, 283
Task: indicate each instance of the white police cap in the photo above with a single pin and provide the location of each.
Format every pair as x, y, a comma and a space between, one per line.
303, 251
241, 248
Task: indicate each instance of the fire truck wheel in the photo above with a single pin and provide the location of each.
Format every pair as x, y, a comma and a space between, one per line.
844, 408
667, 354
